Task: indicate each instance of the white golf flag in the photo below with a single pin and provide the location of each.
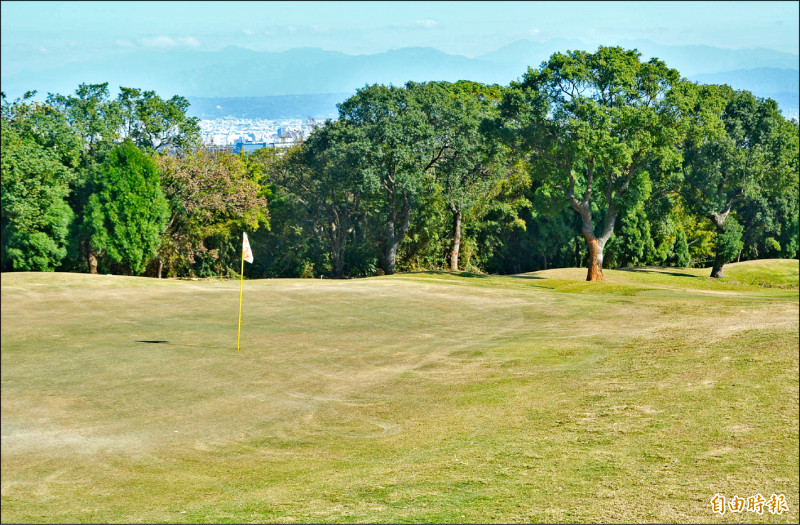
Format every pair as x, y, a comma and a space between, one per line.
247, 253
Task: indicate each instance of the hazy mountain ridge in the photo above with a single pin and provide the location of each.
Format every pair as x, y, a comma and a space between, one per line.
236, 72
765, 79
276, 107
781, 85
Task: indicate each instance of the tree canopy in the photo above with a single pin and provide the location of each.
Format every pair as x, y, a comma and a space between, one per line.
742, 150
594, 121
126, 211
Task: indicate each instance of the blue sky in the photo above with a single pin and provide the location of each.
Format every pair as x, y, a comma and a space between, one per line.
38, 35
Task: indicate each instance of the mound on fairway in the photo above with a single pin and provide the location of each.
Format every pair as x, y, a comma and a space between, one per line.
425, 397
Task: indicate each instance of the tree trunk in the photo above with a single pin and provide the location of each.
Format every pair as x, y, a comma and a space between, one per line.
595, 244
391, 246
394, 238
719, 220
338, 264
160, 266
92, 260
719, 259
337, 250
716, 271
595, 272
456, 239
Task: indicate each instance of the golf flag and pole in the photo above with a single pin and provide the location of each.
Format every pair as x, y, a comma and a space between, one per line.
247, 255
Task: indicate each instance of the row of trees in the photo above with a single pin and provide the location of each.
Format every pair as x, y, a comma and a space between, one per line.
595, 159
117, 185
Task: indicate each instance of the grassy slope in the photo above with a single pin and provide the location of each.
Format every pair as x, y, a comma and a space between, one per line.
426, 397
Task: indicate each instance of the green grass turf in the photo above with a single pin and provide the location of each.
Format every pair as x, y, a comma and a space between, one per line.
424, 397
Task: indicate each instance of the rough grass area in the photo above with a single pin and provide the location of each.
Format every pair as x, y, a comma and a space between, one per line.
426, 397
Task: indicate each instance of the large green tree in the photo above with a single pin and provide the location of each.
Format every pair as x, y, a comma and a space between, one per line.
126, 211
328, 182
44, 124
40, 153
468, 163
740, 147
35, 217
92, 114
291, 246
398, 151
141, 116
158, 124
592, 122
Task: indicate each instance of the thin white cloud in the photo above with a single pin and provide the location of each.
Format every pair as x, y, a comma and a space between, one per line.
427, 23
247, 32
188, 41
124, 43
166, 41
157, 41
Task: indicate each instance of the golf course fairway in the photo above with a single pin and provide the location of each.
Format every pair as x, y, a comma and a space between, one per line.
420, 397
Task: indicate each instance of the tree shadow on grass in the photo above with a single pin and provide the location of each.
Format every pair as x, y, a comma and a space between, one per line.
655, 270
526, 277
455, 274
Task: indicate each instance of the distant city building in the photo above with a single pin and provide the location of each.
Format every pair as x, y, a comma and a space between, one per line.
249, 147
214, 148
230, 131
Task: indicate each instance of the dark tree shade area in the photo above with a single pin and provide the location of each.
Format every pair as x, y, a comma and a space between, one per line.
598, 160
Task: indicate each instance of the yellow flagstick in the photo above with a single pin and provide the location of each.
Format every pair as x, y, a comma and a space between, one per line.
247, 255
241, 282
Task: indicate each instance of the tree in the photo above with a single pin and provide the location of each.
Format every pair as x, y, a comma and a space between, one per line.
398, 151
126, 211
468, 165
127, 100
740, 147
681, 250
633, 245
92, 114
291, 245
35, 216
326, 179
729, 242
141, 116
594, 121
211, 196
160, 124
44, 124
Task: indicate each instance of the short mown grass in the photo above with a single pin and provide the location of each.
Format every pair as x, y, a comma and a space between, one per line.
424, 397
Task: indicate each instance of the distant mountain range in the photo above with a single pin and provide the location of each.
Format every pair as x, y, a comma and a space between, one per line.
320, 106
238, 73
781, 85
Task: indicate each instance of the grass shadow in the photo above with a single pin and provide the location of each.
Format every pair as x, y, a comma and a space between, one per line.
652, 270
526, 277
455, 274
